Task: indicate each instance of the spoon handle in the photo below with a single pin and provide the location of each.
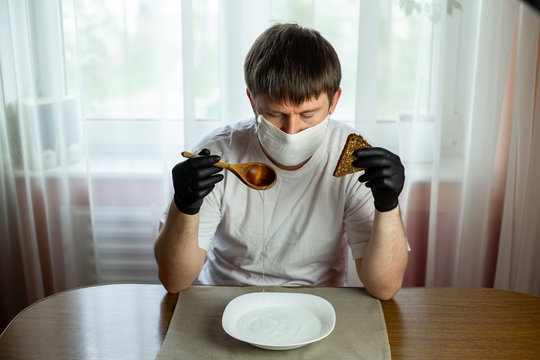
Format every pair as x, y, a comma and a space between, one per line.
219, 164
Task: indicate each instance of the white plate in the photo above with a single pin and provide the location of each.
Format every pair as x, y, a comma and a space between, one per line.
277, 320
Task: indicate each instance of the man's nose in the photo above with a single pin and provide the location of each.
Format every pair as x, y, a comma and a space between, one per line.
292, 125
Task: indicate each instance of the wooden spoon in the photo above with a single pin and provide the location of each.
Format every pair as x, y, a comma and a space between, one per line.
256, 175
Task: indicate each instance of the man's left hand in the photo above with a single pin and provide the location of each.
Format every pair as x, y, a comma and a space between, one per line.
384, 175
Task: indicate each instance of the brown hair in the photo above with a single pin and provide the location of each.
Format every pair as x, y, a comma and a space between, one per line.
291, 64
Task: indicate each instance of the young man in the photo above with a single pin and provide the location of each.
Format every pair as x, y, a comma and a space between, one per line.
219, 231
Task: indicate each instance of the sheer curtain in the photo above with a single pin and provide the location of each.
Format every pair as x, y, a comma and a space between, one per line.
100, 97
40, 139
517, 268
469, 215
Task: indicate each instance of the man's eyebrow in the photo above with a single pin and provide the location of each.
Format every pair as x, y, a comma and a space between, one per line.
310, 110
270, 109
315, 109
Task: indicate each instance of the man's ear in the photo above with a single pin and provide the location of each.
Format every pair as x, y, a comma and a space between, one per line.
335, 100
251, 100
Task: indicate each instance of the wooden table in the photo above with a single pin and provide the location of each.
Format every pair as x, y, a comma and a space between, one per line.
129, 321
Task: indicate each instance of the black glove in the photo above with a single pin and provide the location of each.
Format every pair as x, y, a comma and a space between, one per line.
193, 179
384, 175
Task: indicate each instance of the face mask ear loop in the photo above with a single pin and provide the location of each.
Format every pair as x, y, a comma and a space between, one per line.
257, 122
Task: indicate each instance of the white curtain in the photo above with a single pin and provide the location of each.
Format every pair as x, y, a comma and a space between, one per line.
100, 97
517, 268
471, 215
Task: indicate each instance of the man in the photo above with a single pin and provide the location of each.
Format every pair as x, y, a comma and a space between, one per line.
219, 231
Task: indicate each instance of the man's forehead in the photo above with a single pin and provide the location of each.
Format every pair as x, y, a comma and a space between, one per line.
311, 104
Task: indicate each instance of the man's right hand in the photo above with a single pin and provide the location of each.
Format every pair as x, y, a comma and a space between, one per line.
193, 179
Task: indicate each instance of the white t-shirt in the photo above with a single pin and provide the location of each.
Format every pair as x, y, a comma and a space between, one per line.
294, 233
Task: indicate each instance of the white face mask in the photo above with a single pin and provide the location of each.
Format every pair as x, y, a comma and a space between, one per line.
290, 149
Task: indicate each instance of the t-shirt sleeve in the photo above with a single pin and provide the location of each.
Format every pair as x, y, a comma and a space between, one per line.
210, 212
358, 217
162, 220
209, 219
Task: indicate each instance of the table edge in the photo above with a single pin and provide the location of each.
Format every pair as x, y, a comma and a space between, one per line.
35, 303
444, 288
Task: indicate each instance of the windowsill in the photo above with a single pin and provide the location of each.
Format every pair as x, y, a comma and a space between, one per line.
104, 168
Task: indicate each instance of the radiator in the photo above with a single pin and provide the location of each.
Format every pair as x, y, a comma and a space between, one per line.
123, 241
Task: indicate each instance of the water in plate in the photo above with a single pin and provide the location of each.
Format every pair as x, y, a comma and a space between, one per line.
279, 325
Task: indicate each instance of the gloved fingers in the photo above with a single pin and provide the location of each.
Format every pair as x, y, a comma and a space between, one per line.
377, 172
203, 172
201, 193
384, 175
193, 179
201, 161
378, 158
373, 161
204, 183
382, 182
375, 156
375, 151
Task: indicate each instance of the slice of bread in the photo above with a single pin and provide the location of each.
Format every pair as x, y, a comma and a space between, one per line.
344, 165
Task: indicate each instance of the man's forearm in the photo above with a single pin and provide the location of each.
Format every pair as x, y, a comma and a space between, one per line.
382, 268
177, 251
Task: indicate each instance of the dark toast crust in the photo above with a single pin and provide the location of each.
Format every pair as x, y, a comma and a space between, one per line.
344, 165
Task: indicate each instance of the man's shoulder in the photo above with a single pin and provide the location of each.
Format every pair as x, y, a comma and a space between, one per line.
338, 133
223, 137
340, 127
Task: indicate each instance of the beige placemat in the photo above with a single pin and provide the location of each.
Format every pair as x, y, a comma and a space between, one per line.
195, 331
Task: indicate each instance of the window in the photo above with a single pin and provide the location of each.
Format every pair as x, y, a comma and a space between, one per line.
151, 77
174, 69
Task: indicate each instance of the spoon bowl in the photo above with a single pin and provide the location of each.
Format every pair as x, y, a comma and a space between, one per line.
256, 175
